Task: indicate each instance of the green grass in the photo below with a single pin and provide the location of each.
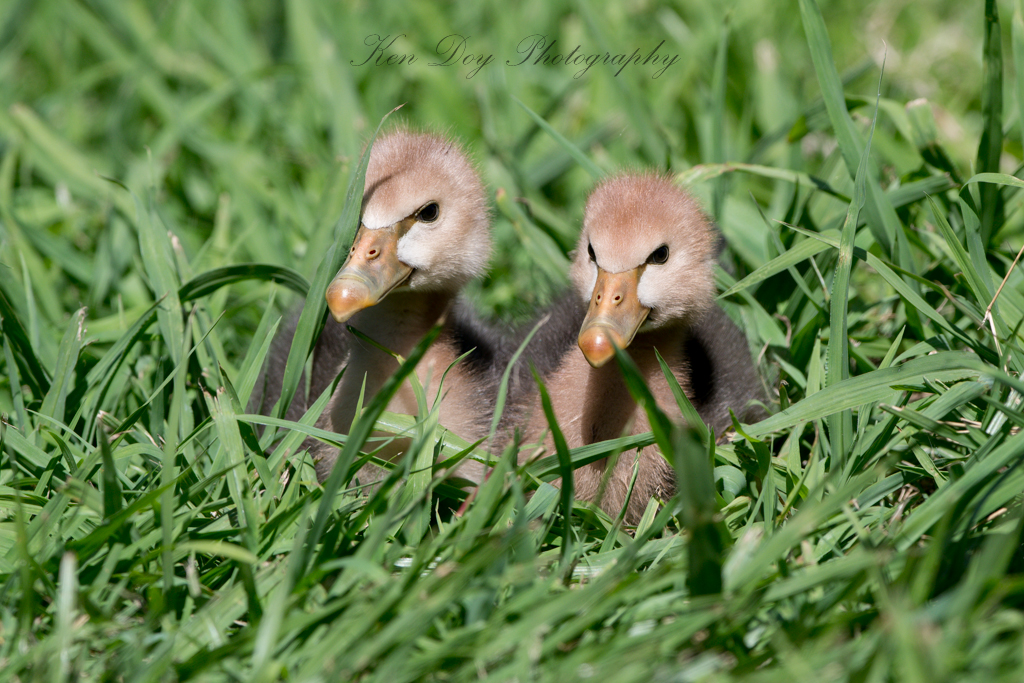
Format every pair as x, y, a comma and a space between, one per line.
172, 177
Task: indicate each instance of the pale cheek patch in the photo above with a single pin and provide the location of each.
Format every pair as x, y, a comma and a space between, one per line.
414, 250
658, 285
648, 287
591, 278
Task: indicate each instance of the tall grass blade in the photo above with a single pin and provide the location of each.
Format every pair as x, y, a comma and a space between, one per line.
67, 359
312, 317
358, 435
564, 468
692, 465
838, 366
990, 147
212, 280
33, 371
582, 159
883, 221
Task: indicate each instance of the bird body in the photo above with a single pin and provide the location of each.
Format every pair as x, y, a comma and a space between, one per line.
644, 268
398, 324
594, 404
424, 233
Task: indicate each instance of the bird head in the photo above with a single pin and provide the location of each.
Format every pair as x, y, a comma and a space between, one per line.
424, 224
644, 261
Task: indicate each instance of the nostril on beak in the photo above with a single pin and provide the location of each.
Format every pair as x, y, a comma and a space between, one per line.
618, 298
372, 253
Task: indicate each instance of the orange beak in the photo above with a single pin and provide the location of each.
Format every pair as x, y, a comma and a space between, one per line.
371, 271
614, 316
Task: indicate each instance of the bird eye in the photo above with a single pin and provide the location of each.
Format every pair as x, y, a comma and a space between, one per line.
659, 255
429, 213
590, 250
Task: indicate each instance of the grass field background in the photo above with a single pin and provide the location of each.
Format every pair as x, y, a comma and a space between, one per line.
171, 181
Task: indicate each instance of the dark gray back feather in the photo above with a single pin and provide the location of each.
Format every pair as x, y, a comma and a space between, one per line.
329, 355
722, 374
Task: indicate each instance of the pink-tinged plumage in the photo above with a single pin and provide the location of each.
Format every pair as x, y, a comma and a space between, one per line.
627, 221
431, 260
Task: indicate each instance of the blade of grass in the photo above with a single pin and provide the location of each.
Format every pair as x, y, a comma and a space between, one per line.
695, 480
212, 280
312, 317
67, 360
564, 469
883, 220
169, 470
690, 414
582, 159
875, 386
33, 372
837, 367
990, 147
499, 403
795, 254
360, 432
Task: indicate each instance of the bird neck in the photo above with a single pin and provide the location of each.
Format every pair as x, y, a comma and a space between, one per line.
397, 323
669, 343
594, 404
605, 386
401, 319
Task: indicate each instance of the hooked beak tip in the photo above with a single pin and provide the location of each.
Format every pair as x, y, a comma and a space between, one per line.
597, 344
346, 297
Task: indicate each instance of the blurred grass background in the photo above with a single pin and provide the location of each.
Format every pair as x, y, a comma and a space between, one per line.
244, 119
146, 145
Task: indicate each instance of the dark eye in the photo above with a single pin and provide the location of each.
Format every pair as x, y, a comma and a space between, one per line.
429, 213
590, 250
659, 255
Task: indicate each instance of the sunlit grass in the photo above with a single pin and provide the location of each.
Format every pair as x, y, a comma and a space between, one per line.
171, 184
